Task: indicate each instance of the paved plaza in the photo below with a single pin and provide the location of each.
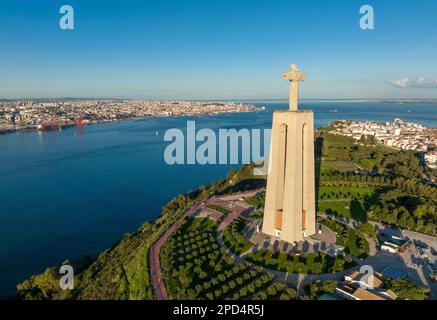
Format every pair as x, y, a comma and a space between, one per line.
319, 242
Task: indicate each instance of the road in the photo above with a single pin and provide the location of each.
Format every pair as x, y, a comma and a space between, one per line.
379, 260
157, 279
154, 261
298, 280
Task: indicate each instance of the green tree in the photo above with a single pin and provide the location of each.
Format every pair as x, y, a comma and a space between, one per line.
328, 286
406, 290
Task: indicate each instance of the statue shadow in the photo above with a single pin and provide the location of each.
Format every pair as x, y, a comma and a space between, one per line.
249, 232
275, 245
318, 148
305, 247
323, 246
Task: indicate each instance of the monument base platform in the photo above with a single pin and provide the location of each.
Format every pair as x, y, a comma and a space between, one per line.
319, 242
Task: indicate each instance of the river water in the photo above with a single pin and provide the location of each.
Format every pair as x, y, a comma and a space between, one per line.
75, 192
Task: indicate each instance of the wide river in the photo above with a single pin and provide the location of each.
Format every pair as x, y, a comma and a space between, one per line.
77, 191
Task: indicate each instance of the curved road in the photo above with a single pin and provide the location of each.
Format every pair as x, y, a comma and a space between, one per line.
154, 262
298, 280
155, 266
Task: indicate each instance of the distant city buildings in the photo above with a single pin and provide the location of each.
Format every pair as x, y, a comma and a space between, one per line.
28, 115
397, 134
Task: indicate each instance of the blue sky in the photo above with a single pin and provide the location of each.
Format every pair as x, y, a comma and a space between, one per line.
204, 49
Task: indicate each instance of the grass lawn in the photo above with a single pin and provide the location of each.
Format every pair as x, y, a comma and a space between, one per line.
339, 206
257, 201
345, 201
337, 165
206, 225
335, 193
310, 263
353, 247
352, 209
219, 209
354, 243
234, 239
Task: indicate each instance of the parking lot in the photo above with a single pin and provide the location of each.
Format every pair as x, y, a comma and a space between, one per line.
418, 261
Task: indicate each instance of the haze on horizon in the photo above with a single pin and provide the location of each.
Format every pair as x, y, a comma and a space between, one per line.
204, 49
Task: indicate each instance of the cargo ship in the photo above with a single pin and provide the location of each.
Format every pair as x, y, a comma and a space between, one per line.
45, 125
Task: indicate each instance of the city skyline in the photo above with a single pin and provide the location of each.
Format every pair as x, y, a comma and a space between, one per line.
200, 50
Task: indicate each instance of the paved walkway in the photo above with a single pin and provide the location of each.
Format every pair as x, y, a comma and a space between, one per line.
314, 243
378, 260
154, 260
298, 280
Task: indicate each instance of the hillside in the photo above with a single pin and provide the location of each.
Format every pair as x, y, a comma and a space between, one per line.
122, 272
356, 179
365, 180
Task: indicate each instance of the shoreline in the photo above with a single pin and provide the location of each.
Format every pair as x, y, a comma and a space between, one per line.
67, 126
155, 222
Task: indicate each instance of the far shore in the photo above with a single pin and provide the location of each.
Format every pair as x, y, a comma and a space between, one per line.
72, 125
